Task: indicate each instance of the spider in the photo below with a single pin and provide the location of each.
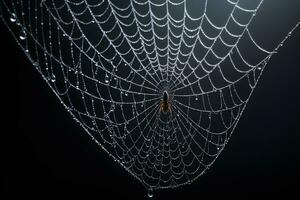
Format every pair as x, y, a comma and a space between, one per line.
165, 105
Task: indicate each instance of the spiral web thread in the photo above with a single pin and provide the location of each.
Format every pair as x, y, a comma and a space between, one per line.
109, 62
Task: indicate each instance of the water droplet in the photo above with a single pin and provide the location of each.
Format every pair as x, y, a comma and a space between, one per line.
22, 35
218, 148
196, 98
112, 107
150, 193
53, 78
126, 94
259, 68
106, 78
13, 17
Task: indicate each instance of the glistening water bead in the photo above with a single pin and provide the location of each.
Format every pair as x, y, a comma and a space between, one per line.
13, 17
53, 78
106, 78
150, 193
22, 35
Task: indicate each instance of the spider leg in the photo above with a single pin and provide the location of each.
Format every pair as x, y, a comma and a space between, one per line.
160, 109
170, 109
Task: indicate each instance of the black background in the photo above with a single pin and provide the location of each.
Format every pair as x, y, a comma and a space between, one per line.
47, 154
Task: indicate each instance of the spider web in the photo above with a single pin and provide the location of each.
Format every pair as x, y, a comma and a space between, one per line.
109, 62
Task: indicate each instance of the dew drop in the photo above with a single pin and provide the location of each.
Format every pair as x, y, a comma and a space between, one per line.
53, 78
196, 98
13, 17
106, 78
112, 108
126, 94
150, 193
22, 35
36, 63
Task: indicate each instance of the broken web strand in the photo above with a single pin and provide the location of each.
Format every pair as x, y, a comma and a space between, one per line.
120, 111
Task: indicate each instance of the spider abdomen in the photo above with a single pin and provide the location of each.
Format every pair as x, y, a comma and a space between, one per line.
165, 103
165, 106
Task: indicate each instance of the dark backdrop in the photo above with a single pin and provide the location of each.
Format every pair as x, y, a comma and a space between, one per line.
47, 154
